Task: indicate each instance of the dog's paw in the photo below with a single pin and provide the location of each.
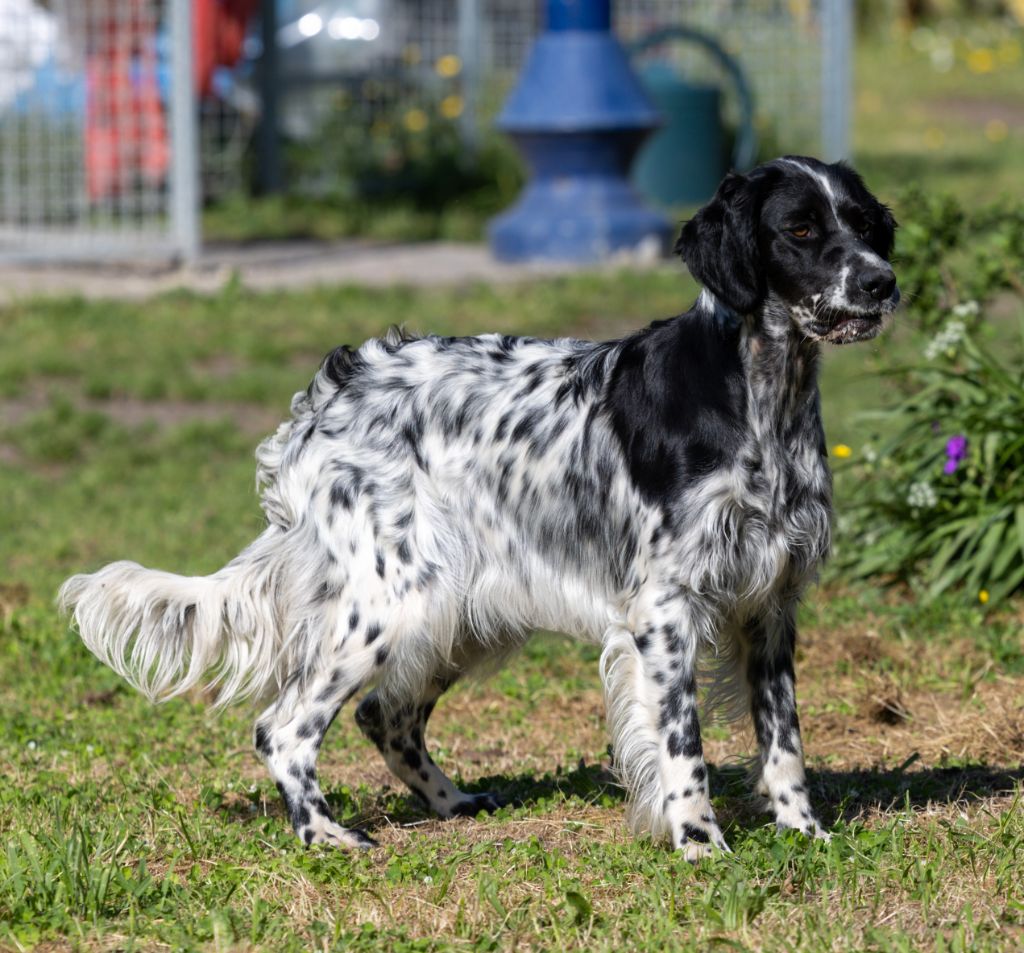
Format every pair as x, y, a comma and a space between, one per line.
473, 804
698, 841
807, 825
327, 832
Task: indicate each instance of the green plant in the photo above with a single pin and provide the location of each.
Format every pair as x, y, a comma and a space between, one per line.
945, 254
940, 502
938, 496
392, 164
400, 141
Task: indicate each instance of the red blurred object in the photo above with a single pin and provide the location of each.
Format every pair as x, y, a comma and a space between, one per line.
219, 30
125, 128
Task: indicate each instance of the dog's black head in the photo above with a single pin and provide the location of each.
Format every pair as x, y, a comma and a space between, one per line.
804, 233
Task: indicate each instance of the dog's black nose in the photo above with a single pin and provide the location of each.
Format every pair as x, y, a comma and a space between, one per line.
877, 282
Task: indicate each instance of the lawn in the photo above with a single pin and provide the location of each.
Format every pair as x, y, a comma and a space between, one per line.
129, 434
127, 430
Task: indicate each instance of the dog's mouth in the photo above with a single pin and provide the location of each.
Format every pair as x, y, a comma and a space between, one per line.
852, 326
847, 328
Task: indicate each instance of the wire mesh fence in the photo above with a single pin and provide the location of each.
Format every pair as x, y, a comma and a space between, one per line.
88, 129
114, 127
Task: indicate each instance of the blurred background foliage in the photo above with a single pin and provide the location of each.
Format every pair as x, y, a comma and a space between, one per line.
937, 106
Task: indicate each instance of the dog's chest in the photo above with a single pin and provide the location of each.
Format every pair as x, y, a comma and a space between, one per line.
784, 516
760, 526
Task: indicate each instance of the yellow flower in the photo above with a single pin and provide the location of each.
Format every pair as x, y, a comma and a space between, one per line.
934, 137
996, 130
983, 596
451, 107
448, 66
799, 10
415, 120
842, 451
981, 61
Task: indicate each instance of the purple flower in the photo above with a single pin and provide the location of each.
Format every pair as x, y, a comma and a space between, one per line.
956, 451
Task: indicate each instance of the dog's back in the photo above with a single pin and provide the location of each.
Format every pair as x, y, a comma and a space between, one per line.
406, 466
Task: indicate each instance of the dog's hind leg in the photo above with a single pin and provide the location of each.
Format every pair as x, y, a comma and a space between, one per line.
288, 736
773, 707
398, 733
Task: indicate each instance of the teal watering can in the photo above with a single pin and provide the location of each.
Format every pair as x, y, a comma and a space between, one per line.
684, 161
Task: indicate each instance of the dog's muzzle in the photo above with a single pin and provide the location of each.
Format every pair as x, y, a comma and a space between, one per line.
860, 325
858, 315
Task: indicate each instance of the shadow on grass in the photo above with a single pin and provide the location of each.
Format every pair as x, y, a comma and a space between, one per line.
838, 795
593, 783
845, 795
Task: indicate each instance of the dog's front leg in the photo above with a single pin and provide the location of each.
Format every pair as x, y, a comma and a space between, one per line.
773, 707
668, 650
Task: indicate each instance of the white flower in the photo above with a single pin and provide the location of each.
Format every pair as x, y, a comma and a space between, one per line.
967, 309
31, 746
869, 453
921, 496
948, 338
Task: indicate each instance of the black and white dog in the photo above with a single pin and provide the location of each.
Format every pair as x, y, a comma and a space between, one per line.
434, 500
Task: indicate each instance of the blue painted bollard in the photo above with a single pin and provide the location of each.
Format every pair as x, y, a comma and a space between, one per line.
578, 115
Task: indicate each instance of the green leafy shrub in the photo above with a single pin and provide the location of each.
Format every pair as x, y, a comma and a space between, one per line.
936, 499
407, 152
940, 501
945, 254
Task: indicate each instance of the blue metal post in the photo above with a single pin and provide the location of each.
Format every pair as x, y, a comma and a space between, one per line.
578, 115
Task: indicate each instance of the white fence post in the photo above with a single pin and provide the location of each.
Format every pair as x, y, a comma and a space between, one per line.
184, 179
468, 38
836, 78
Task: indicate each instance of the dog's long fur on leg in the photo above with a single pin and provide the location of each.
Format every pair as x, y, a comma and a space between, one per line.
434, 500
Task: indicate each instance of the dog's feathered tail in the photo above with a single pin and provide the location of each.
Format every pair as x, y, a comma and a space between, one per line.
240, 630
166, 633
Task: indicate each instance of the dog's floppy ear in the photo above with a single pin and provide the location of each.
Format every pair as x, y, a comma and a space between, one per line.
719, 245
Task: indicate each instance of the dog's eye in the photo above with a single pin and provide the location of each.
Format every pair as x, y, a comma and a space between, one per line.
861, 228
801, 231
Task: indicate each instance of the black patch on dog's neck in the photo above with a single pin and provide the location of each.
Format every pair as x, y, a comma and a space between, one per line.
677, 401
685, 393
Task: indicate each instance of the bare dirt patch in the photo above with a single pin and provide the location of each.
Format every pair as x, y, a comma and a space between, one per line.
979, 111
133, 412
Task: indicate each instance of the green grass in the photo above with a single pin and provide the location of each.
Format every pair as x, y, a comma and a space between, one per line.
127, 430
129, 826
914, 125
